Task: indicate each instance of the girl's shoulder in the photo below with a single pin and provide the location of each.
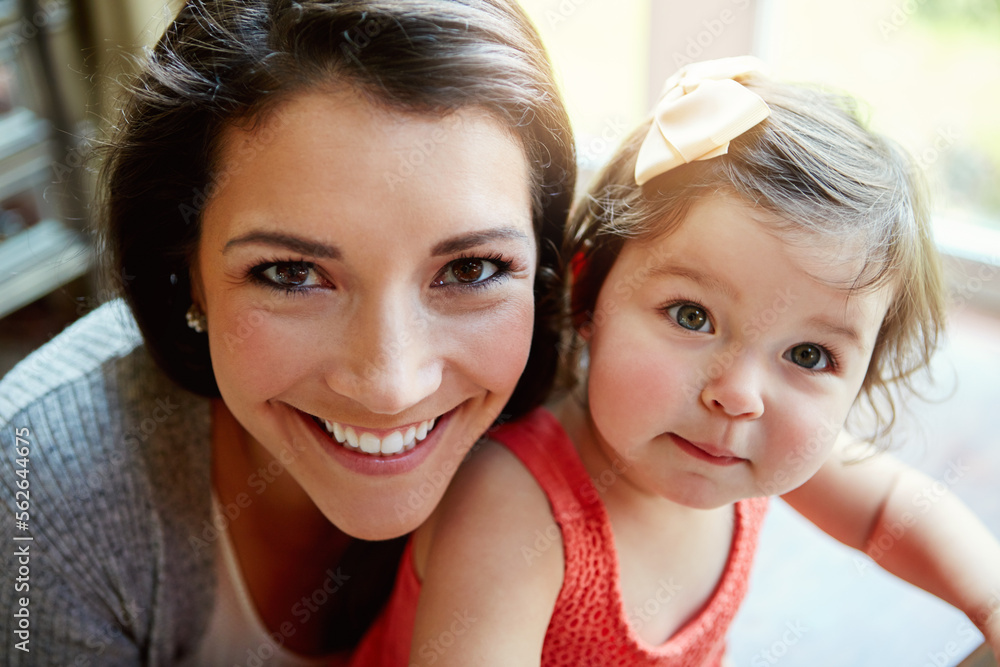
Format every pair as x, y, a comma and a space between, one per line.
544, 449
508, 496
493, 549
494, 499
530, 462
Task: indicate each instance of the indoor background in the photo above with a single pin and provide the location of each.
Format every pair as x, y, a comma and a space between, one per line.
928, 73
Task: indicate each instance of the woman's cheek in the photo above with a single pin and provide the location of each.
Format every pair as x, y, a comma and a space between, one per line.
498, 345
257, 350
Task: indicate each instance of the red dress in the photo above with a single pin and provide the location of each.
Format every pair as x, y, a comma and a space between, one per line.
590, 625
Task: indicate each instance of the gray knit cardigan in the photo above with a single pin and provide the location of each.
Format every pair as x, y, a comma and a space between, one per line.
117, 504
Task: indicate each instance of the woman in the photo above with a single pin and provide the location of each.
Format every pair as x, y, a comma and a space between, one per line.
335, 225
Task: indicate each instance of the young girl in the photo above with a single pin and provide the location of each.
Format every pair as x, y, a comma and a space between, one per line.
751, 264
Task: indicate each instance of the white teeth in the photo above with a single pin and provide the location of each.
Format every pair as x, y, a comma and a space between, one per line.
335, 429
369, 443
392, 443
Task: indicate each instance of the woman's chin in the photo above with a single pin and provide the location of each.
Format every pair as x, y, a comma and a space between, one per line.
381, 519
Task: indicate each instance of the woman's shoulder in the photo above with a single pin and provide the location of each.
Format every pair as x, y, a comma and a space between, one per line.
100, 409
117, 463
107, 334
96, 378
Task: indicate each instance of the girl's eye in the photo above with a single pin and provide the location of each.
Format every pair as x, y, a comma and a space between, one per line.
809, 356
691, 316
470, 270
288, 274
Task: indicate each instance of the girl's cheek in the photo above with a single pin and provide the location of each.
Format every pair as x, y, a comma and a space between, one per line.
815, 440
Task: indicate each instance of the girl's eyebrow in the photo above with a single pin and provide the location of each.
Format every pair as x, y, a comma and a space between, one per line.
707, 280
463, 242
297, 244
846, 331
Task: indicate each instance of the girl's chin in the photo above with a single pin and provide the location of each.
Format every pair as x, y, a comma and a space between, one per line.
697, 497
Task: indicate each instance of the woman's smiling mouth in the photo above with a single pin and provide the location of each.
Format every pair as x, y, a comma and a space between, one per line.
377, 444
381, 451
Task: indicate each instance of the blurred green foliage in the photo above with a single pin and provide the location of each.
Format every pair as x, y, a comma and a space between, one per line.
976, 14
970, 169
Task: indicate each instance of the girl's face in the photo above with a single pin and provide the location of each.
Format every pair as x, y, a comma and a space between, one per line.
367, 278
722, 362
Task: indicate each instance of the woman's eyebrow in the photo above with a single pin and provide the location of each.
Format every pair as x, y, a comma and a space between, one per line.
297, 244
462, 242
313, 248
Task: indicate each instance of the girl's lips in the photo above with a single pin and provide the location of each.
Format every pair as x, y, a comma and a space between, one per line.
701, 452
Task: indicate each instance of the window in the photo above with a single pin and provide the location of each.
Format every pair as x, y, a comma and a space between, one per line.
927, 71
930, 72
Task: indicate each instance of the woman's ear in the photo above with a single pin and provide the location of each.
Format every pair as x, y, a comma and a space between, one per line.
197, 287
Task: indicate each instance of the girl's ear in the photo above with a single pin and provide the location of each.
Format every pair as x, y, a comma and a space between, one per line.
578, 270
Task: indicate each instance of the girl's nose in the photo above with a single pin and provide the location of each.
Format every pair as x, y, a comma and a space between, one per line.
387, 361
736, 391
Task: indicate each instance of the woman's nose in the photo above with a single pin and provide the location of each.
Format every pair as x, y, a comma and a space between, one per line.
735, 389
387, 361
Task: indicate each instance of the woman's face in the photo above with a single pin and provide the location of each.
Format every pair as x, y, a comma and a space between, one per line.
367, 277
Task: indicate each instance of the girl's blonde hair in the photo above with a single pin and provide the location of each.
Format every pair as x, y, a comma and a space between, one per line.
826, 179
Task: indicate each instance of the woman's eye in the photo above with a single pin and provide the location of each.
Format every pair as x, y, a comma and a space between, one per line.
809, 356
290, 274
691, 316
467, 270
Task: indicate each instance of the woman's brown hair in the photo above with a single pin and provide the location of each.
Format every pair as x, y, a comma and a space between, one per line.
224, 61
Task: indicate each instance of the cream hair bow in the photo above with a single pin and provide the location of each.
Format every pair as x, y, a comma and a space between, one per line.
703, 107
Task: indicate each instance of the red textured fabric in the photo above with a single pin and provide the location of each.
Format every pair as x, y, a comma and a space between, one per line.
387, 642
589, 625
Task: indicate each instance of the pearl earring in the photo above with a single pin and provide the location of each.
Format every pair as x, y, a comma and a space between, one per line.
196, 319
